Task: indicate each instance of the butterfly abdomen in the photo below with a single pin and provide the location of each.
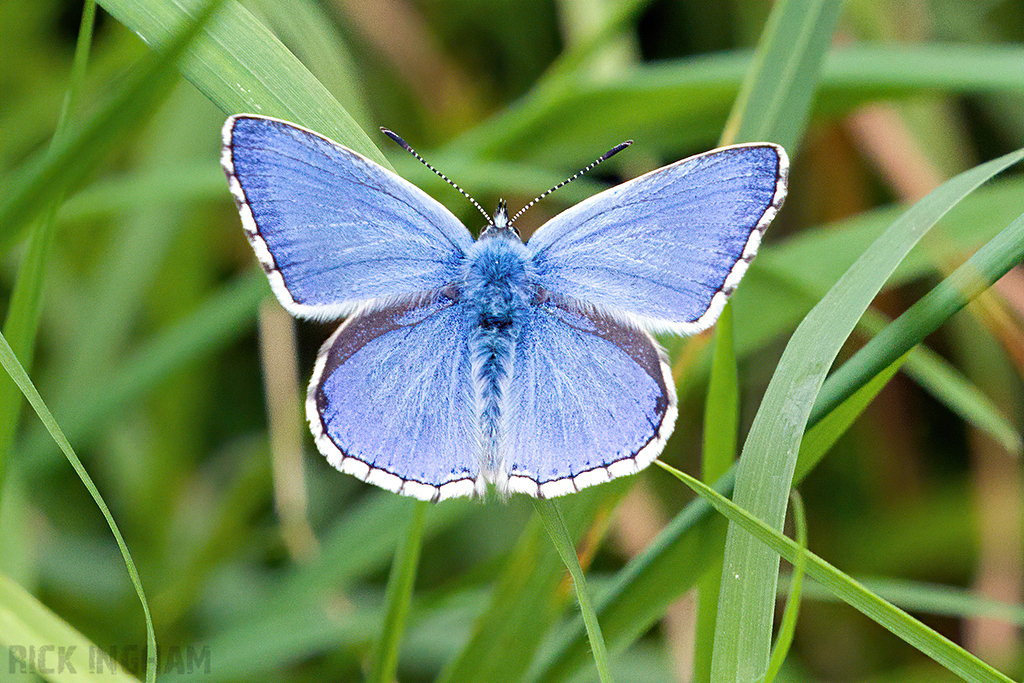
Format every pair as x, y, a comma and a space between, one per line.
497, 290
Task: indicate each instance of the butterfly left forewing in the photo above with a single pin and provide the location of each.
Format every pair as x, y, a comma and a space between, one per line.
332, 228
590, 399
665, 250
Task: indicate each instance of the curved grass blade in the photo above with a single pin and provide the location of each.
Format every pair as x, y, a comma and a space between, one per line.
765, 472
939, 648
551, 515
17, 373
384, 662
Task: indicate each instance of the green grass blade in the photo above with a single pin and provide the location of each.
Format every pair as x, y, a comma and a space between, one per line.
927, 598
242, 67
384, 662
823, 435
986, 266
774, 105
787, 627
21, 325
77, 152
765, 472
27, 623
551, 515
774, 101
898, 622
17, 373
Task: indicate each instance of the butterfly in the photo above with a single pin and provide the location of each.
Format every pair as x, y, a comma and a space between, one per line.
530, 366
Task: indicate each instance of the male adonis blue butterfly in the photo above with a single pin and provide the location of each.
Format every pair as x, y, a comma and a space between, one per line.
529, 366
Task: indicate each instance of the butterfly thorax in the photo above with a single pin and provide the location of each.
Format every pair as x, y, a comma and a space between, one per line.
498, 286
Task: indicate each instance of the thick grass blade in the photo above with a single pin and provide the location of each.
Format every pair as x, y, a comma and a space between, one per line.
774, 102
551, 515
242, 67
939, 648
17, 373
384, 662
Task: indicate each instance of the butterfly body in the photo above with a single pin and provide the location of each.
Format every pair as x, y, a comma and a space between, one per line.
464, 362
497, 290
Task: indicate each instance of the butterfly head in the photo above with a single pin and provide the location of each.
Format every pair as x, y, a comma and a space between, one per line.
500, 224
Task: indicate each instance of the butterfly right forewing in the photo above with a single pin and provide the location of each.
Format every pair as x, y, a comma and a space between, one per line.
666, 249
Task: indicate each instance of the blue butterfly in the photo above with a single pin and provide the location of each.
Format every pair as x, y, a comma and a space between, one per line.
529, 366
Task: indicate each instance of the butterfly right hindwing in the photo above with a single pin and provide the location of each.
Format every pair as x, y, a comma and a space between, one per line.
590, 399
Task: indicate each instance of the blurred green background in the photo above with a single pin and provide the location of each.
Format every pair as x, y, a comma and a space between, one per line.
164, 358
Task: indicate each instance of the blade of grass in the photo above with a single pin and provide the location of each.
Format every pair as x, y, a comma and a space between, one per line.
774, 101
17, 373
939, 648
242, 67
774, 104
22, 322
551, 515
946, 601
384, 661
765, 471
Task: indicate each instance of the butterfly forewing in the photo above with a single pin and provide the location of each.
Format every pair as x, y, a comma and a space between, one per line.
666, 249
331, 228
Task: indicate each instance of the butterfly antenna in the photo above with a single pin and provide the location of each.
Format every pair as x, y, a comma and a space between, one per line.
607, 155
405, 145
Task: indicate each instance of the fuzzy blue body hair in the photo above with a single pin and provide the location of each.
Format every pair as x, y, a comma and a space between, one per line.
498, 286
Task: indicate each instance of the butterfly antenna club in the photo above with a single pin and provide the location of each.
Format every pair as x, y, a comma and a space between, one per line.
604, 157
405, 145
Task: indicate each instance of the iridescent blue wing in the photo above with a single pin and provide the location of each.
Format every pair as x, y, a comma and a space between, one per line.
665, 250
391, 399
330, 227
590, 399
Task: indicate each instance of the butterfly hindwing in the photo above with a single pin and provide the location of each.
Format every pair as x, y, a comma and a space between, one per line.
590, 399
391, 399
332, 228
667, 248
